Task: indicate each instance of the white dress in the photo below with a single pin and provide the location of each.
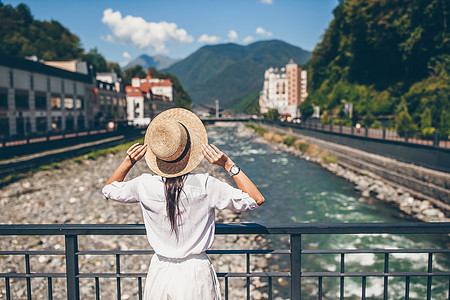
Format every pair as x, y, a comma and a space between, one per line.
180, 268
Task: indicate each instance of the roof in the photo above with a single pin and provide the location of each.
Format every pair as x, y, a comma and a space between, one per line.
37, 67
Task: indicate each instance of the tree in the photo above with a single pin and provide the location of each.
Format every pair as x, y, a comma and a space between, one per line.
132, 72
306, 109
273, 114
404, 124
94, 58
444, 130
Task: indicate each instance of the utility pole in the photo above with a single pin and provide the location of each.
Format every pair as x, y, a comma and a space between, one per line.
217, 108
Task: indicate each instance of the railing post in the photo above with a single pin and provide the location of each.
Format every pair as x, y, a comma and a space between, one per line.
436, 138
384, 133
73, 284
296, 266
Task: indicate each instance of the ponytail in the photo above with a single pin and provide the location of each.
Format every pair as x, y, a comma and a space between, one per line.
173, 188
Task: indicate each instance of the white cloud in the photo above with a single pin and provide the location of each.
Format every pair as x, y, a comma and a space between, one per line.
126, 55
266, 1
142, 34
211, 39
263, 32
248, 39
232, 35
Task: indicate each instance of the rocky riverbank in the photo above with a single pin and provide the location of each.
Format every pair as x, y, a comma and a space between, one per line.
70, 192
372, 187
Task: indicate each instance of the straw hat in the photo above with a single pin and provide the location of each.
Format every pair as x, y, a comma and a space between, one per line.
175, 137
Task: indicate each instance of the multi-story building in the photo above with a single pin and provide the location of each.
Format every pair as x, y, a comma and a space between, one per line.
148, 97
284, 89
37, 98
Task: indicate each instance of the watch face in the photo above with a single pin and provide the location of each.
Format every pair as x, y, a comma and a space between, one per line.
234, 169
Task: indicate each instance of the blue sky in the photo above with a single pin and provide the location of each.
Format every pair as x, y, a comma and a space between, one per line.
122, 30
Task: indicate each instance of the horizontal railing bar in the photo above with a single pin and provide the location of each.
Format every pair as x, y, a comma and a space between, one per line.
111, 275
229, 274
381, 251
140, 252
255, 274
244, 228
115, 252
234, 274
27, 275
31, 252
248, 251
372, 274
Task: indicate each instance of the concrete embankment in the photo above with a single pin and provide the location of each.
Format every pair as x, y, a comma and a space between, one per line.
418, 192
70, 192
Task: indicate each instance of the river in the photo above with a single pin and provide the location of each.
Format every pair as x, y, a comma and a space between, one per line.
297, 190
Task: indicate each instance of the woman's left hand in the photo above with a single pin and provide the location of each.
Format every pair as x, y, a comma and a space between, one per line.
136, 152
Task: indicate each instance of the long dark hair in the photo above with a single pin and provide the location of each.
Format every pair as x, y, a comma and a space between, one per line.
173, 188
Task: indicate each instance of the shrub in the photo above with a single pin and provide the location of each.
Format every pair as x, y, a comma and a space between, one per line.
303, 147
427, 133
289, 141
330, 159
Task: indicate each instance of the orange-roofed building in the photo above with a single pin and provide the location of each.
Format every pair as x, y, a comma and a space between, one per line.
148, 97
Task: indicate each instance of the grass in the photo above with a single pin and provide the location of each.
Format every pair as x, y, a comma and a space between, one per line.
93, 155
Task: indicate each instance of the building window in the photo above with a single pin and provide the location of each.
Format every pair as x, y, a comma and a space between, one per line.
40, 100
4, 127
56, 123
102, 100
41, 124
21, 99
68, 102
3, 99
55, 101
79, 103
31, 82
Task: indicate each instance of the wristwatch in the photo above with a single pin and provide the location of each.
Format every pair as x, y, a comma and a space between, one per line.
234, 170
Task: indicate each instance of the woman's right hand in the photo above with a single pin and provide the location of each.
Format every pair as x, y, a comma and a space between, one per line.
136, 152
217, 157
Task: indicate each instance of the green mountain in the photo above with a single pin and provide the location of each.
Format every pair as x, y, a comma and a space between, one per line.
231, 72
158, 61
390, 59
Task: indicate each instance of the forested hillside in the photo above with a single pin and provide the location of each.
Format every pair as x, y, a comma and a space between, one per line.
390, 59
231, 72
21, 35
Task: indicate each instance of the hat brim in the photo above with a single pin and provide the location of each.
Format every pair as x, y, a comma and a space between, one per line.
197, 135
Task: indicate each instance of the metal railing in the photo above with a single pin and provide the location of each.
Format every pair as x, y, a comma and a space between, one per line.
379, 134
296, 254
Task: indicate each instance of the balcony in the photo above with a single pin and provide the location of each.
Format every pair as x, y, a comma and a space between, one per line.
300, 280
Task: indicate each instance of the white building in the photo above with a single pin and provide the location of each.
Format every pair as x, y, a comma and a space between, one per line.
284, 89
148, 97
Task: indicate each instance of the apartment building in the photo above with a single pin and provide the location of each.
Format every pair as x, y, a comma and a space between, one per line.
37, 98
284, 89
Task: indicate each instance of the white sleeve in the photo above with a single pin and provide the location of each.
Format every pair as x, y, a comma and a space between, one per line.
223, 196
126, 191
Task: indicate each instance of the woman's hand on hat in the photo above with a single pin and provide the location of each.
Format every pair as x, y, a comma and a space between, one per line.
136, 152
217, 157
